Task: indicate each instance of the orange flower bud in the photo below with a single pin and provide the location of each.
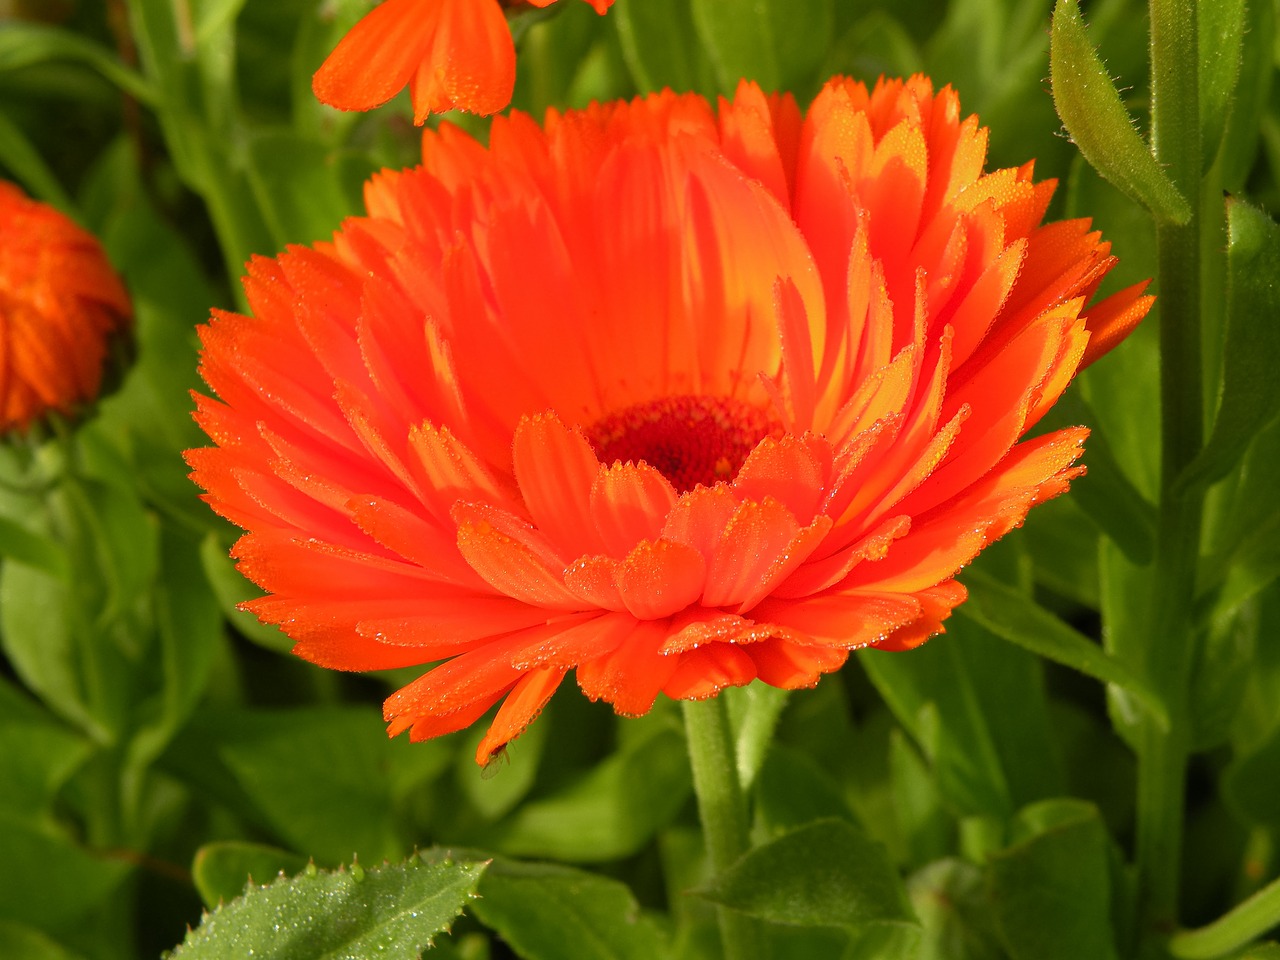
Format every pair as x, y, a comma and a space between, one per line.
60, 301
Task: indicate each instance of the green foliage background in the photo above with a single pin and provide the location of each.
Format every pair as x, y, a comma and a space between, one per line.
972, 800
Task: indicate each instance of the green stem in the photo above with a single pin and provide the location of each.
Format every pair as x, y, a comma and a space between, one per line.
722, 810
1162, 757
1250, 919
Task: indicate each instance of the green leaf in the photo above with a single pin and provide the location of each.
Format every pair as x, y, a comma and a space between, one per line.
21, 942
1051, 889
18, 542
1020, 620
1090, 108
23, 44
778, 43
949, 897
875, 44
551, 912
1249, 112
303, 188
608, 814
392, 911
35, 622
754, 711
189, 629
35, 761
954, 696
793, 790
267, 765
494, 795
1252, 783
1252, 351
660, 46
49, 881
223, 868
1224, 660
25, 164
825, 874
1220, 39
926, 826
1106, 493
1125, 606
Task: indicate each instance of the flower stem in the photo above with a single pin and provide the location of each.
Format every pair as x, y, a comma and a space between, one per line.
722, 810
1250, 919
1162, 757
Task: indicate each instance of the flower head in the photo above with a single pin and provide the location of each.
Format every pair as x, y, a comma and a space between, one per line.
673, 399
453, 55
59, 303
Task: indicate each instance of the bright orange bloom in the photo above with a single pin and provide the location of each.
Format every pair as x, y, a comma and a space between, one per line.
674, 400
453, 54
59, 302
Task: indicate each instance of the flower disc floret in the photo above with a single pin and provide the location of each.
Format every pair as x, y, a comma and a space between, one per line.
670, 397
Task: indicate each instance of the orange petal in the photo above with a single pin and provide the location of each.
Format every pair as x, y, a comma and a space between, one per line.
472, 62
706, 671
1113, 319
630, 503
379, 55
661, 577
556, 471
511, 566
755, 537
520, 708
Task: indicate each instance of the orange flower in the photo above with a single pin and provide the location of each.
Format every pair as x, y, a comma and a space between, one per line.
59, 302
674, 400
453, 54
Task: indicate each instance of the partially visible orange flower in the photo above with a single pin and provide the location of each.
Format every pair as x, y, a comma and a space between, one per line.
59, 303
672, 399
453, 55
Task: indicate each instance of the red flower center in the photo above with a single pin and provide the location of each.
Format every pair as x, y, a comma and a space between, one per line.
689, 440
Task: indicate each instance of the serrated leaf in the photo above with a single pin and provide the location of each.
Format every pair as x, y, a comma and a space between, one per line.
825, 874
393, 911
1020, 620
551, 912
1252, 350
1091, 110
222, 870
1051, 890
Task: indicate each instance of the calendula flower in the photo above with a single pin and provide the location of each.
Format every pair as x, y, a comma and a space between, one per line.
60, 301
452, 54
671, 399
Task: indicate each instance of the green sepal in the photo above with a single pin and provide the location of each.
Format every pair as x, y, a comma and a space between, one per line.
1091, 110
